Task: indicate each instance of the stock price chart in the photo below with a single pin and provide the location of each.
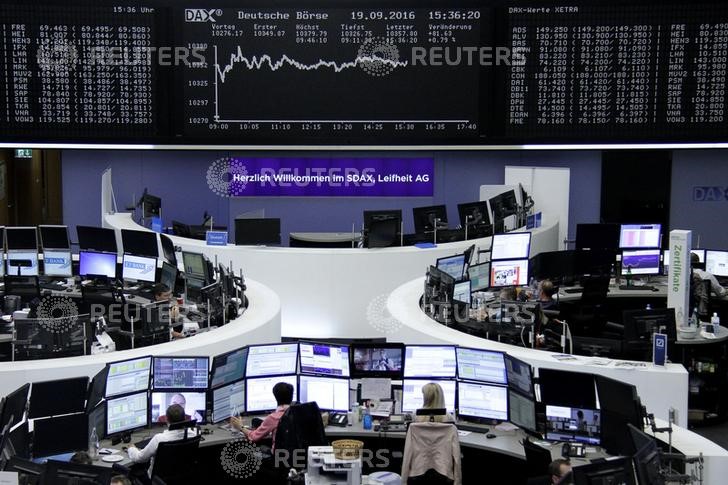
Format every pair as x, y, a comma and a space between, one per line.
335, 73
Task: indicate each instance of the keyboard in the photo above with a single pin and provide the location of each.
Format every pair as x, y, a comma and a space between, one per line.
53, 286
573, 290
643, 287
475, 428
143, 443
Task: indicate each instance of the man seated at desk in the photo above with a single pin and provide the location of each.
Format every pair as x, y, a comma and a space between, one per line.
162, 292
545, 295
283, 392
175, 414
704, 275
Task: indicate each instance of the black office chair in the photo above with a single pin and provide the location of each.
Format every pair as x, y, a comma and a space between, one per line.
26, 287
700, 296
588, 316
60, 472
175, 462
538, 459
300, 426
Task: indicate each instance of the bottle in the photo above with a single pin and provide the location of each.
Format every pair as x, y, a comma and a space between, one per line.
715, 321
628, 276
93, 444
367, 421
694, 320
648, 307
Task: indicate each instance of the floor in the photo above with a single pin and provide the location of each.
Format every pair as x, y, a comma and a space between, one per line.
717, 433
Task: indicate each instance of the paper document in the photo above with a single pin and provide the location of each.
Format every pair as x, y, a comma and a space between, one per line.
376, 389
8, 478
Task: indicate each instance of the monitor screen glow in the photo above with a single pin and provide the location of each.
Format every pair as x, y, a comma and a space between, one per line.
509, 273
271, 360
139, 268
57, 263
430, 361
27, 263
716, 262
632, 236
515, 245
97, 264
452, 265
479, 275
330, 393
259, 392
330, 360
412, 394
483, 401
641, 261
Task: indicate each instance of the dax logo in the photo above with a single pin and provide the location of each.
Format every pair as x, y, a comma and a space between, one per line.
202, 15
710, 194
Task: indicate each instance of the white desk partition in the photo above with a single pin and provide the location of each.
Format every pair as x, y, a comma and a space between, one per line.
660, 388
325, 292
261, 323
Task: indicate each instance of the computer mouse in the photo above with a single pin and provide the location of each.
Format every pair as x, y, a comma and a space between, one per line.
69, 290
490, 436
131, 297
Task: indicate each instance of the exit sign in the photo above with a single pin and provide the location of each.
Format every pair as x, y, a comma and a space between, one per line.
23, 153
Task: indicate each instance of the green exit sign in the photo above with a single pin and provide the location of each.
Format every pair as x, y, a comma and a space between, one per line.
23, 153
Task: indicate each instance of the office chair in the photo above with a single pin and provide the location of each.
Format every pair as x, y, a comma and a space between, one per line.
538, 459
60, 472
426, 445
26, 287
588, 315
176, 461
700, 297
300, 426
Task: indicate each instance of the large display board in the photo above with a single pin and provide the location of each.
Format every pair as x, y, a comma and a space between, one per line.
479, 72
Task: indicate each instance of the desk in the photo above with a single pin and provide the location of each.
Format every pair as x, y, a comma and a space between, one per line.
326, 293
324, 239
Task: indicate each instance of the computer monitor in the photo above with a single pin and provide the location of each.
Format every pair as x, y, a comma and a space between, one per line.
595, 262
330, 393
640, 325
140, 243
377, 360
252, 232
128, 376
615, 470
453, 265
180, 373
716, 262
228, 401
512, 272
641, 261
168, 249
504, 205
481, 365
194, 264
646, 457
565, 388
22, 263
194, 404
57, 263
620, 406
702, 256
577, 425
514, 245
412, 394
479, 275
482, 401
259, 392
597, 236
522, 411
476, 217
461, 292
126, 413
228, 367
436, 361
556, 266
97, 420
634, 236
97, 264
61, 434
54, 237
272, 360
139, 268
150, 204
14, 407
168, 275
98, 239
97, 388
54, 398
324, 359
382, 228
426, 218
21, 239
67, 473
519, 375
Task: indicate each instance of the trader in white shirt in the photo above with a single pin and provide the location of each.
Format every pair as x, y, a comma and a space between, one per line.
175, 414
704, 275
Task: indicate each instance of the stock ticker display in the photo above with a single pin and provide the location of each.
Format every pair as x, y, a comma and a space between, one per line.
484, 72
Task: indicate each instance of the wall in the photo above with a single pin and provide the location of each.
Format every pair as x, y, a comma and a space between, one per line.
706, 219
178, 177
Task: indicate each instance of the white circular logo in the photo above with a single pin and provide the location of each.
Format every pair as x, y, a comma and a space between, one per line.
58, 57
378, 56
379, 317
241, 459
227, 177
57, 314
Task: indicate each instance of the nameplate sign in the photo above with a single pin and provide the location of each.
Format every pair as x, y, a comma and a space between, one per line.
216, 238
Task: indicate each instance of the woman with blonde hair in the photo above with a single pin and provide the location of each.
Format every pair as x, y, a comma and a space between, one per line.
433, 397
